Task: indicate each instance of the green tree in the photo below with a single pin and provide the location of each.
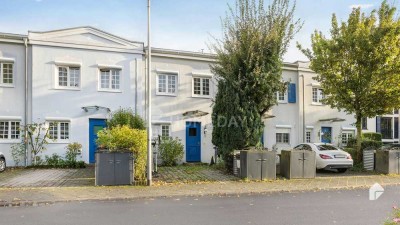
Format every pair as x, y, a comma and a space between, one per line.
126, 117
358, 66
248, 69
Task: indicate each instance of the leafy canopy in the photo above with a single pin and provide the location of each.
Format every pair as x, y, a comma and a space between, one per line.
248, 69
358, 66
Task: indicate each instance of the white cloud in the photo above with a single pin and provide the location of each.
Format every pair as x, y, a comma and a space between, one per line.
362, 6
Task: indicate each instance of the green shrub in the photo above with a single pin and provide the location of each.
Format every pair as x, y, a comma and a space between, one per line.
56, 161
126, 117
171, 151
18, 153
372, 136
124, 138
73, 150
365, 143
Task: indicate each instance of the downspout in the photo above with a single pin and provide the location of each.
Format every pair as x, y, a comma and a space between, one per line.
136, 82
303, 108
26, 101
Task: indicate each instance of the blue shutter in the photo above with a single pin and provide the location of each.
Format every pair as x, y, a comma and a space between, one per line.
292, 93
378, 124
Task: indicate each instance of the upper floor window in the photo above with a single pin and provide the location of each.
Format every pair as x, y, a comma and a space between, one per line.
281, 97
6, 73
201, 86
110, 79
9, 130
167, 84
59, 130
69, 77
364, 124
317, 95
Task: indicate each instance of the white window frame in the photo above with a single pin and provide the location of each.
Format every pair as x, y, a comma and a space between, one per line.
109, 88
2, 84
317, 100
59, 138
309, 137
282, 134
68, 87
167, 126
168, 77
9, 139
281, 94
345, 136
202, 95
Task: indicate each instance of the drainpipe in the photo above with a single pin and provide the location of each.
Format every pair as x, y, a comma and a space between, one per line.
303, 108
26, 101
136, 82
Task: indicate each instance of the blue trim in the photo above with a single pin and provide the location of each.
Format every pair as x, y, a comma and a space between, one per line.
193, 143
292, 93
93, 137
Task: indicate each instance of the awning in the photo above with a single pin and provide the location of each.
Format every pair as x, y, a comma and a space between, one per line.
267, 116
95, 107
195, 113
336, 119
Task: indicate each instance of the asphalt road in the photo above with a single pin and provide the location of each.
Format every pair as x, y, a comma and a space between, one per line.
349, 207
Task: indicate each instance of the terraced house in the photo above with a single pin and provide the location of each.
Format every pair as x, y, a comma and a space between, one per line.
76, 76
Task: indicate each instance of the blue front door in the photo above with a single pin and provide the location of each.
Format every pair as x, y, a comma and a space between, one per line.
95, 125
193, 142
326, 134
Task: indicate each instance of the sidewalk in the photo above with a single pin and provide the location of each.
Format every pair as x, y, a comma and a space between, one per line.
50, 195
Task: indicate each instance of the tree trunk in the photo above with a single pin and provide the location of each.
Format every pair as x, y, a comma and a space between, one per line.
359, 138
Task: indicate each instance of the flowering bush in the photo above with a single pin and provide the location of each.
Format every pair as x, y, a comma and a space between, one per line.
395, 217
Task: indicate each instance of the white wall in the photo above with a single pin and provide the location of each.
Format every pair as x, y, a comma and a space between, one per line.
169, 109
12, 98
49, 103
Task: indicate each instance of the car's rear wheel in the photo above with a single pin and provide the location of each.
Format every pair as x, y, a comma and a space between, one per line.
2, 164
342, 170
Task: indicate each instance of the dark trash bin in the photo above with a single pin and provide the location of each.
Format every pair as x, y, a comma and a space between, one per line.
114, 168
298, 164
258, 165
388, 161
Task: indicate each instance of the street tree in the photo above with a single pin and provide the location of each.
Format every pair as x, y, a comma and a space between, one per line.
248, 69
358, 65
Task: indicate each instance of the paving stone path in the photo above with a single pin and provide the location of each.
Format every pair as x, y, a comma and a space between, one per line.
47, 178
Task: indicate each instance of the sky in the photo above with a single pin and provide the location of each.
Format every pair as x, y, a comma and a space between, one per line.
176, 24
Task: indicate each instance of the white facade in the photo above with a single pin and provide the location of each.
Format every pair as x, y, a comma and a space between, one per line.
77, 75
12, 91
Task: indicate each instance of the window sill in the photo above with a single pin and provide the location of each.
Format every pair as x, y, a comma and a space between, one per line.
109, 90
59, 142
166, 94
7, 85
201, 96
317, 104
10, 141
67, 89
282, 102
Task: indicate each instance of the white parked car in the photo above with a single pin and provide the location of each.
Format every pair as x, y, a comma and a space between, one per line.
329, 156
2, 162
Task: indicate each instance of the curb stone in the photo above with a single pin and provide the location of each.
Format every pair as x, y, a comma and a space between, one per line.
28, 203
